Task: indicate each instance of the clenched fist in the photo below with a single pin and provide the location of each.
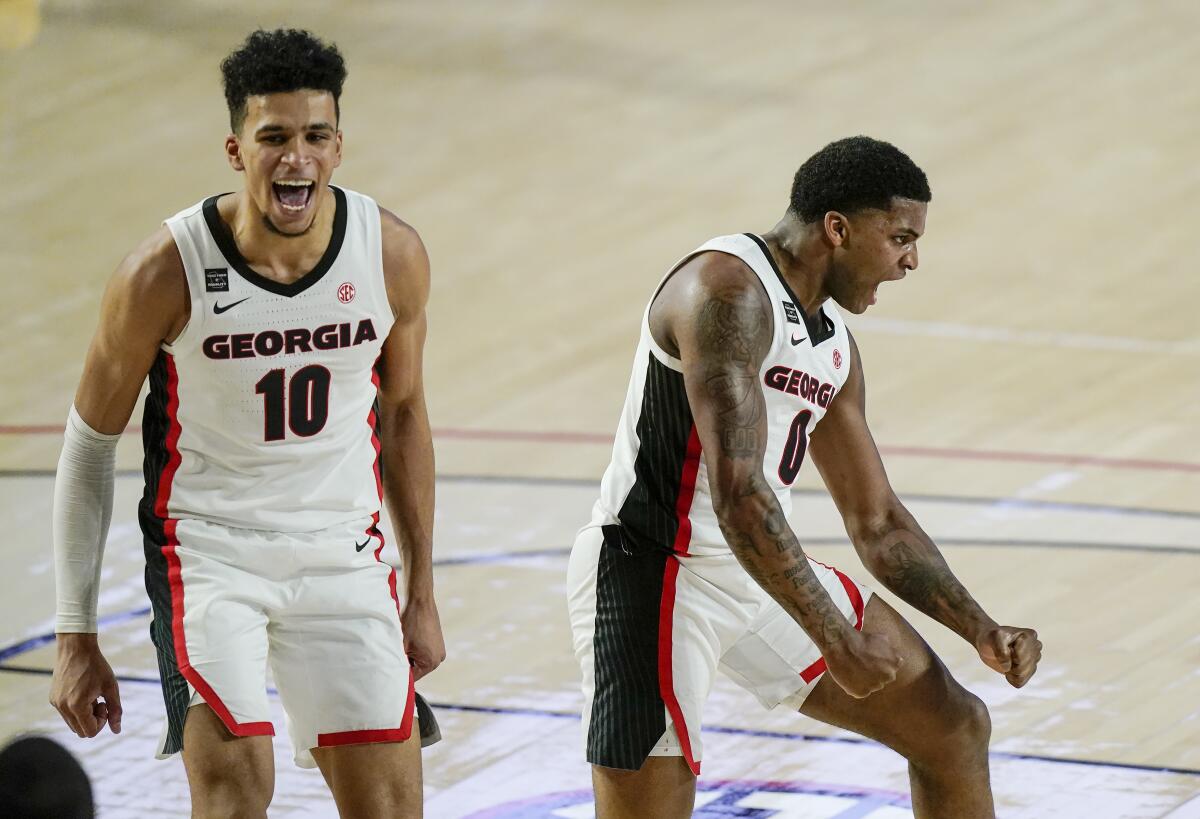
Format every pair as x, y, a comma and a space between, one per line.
863, 663
1012, 651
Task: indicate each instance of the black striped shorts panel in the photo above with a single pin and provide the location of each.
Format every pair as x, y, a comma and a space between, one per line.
628, 715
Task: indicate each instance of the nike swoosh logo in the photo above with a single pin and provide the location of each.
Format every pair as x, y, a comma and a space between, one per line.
218, 309
358, 547
796, 341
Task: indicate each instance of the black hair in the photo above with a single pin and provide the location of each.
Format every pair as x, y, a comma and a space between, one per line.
39, 779
855, 174
272, 62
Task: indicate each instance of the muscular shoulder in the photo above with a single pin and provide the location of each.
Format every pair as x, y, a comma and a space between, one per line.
151, 281
153, 266
405, 266
709, 297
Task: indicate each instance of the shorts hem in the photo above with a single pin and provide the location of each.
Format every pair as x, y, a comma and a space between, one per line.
367, 737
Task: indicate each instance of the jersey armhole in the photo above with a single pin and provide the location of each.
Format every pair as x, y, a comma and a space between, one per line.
375, 242
195, 303
670, 360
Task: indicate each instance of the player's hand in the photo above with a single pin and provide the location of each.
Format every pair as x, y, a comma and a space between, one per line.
423, 641
1012, 651
862, 663
83, 688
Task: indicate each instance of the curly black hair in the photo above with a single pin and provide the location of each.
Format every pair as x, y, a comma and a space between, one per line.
854, 174
271, 62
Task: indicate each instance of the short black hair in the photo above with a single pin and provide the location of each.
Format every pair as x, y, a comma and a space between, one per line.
854, 174
40, 778
273, 62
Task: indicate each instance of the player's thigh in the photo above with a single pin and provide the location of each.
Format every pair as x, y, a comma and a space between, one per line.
663, 788
337, 655
918, 712
210, 627
374, 780
224, 770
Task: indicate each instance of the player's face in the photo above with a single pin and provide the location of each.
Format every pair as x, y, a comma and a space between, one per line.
878, 246
288, 147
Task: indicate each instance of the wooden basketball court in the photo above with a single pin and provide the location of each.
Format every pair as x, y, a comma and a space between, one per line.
1035, 385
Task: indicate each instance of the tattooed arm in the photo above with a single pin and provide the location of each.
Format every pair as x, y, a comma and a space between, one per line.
892, 544
716, 314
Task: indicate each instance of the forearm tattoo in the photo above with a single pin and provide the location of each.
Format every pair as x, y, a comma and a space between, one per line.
734, 334
911, 566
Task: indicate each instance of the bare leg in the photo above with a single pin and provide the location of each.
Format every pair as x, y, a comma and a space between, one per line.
381, 780
664, 788
925, 715
230, 777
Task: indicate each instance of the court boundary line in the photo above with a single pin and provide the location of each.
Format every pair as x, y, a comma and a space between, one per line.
795, 736
922, 497
480, 559
599, 438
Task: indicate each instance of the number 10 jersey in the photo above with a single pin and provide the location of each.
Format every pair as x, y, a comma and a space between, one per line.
262, 413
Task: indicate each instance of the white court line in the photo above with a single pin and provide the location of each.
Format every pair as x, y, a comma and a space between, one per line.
1188, 810
1031, 338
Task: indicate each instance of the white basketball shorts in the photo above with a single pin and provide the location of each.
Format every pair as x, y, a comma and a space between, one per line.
319, 607
650, 631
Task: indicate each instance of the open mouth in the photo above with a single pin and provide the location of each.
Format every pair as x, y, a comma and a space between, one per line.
293, 194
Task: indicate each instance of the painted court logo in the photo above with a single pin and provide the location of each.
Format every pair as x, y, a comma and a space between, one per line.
723, 799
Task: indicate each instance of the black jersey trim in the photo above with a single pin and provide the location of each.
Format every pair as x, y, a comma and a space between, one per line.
820, 327
649, 519
155, 427
228, 247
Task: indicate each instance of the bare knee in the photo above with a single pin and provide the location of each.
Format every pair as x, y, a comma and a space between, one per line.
230, 792
971, 722
959, 729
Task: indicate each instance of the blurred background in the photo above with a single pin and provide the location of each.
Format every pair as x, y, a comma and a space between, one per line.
1034, 385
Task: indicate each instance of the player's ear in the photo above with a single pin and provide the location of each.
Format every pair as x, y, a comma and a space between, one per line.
233, 152
337, 147
837, 228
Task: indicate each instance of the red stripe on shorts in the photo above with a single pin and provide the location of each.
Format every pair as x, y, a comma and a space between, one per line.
400, 734
818, 668
683, 538
175, 572
373, 530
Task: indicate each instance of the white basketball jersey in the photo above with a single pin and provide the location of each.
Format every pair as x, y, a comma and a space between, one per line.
261, 414
655, 492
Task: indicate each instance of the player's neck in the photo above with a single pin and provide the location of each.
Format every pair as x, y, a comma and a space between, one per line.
272, 254
802, 258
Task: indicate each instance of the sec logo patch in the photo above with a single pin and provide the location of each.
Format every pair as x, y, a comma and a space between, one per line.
345, 293
837, 359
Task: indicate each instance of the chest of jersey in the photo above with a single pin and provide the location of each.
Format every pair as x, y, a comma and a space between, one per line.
799, 381
283, 364
272, 386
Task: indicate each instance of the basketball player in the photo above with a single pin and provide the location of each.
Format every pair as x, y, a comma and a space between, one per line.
689, 563
282, 329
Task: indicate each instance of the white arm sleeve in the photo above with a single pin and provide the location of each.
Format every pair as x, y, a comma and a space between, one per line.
83, 497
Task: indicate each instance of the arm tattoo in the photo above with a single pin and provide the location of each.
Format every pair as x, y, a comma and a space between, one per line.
911, 566
734, 334
733, 338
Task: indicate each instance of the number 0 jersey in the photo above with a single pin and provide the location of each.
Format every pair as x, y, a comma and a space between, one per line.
261, 414
656, 487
